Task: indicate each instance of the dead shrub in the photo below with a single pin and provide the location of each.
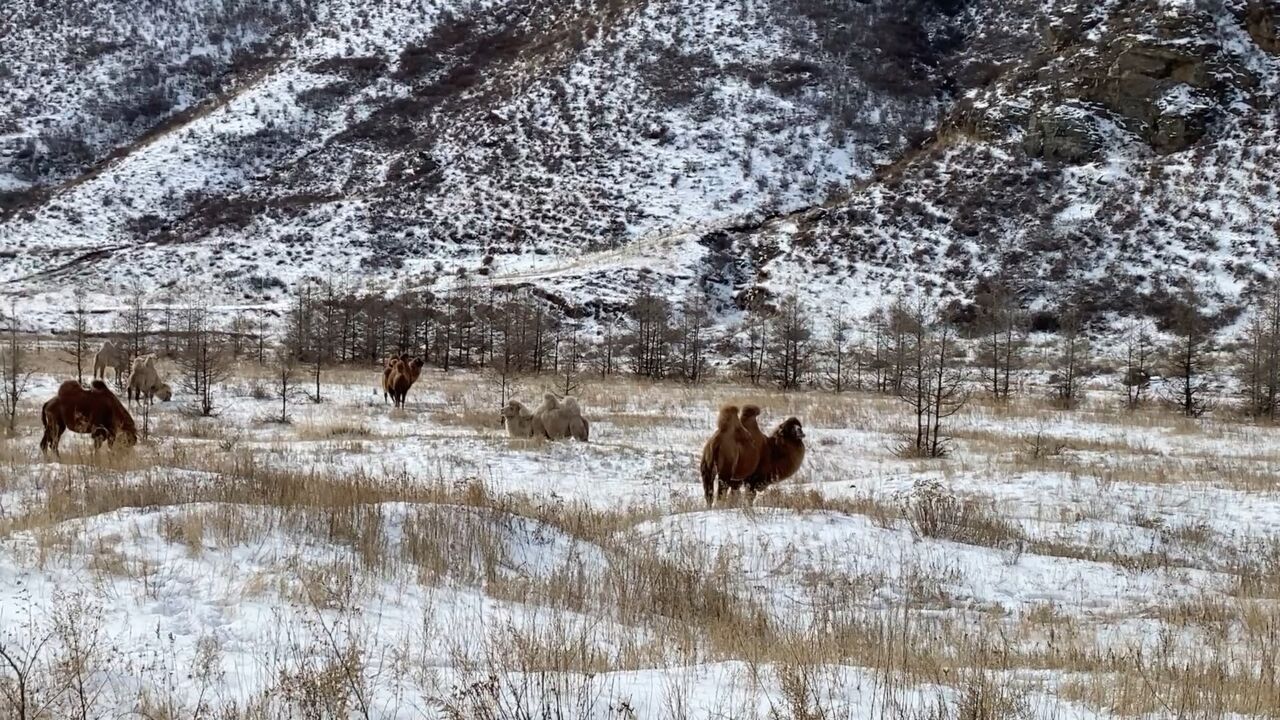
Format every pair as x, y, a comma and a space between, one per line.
933, 511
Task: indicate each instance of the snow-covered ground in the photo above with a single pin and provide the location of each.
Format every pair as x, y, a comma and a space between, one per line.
417, 563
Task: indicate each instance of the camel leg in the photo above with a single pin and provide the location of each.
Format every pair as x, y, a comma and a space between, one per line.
755, 484
724, 482
52, 438
709, 486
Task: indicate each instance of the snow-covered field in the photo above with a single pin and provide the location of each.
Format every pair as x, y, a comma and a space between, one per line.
366, 562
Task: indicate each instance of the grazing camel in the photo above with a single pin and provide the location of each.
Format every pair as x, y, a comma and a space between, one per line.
95, 411
144, 381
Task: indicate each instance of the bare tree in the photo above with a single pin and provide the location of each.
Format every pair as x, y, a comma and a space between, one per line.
999, 354
1139, 358
650, 337
791, 341
934, 382
880, 356
79, 350
286, 387
14, 372
568, 358
167, 320
505, 364
691, 337
1258, 360
136, 323
307, 332
892, 326
1070, 360
755, 329
607, 349
1188, 375
240, 333
205, 361
843, 355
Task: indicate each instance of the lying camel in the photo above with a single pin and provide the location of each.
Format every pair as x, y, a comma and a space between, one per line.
518, 420
560, 418
555, 419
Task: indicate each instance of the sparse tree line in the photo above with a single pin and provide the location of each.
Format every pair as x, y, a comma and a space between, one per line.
931, 355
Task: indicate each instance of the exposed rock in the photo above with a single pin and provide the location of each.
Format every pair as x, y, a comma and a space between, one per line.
1262, 20
1138, 83
1070, 133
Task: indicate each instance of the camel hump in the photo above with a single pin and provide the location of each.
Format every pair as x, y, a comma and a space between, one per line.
551, 400
571, 404
750, 411
728, 416
100, 386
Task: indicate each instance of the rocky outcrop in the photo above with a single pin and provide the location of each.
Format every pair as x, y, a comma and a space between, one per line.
1166, 95
1165, 79
1262, 20
1070, 133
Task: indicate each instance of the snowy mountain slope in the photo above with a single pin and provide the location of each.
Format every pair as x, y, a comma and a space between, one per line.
835, 149
1134, 147
82, 79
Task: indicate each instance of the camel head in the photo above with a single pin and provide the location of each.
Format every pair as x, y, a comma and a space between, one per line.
791, 429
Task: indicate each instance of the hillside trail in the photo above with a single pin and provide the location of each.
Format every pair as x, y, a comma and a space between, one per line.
660, 243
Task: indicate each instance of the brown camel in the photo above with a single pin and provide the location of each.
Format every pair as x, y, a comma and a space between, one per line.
782, 456
388, 366
721, 453
750, 451
95, 411
402, 377
749, 446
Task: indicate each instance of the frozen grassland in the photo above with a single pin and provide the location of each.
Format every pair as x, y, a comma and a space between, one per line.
365, 562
